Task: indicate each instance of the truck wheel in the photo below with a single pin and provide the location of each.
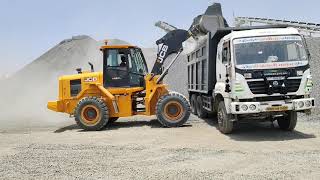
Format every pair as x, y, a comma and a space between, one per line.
289, 122
193, 102
173, 110
91, 114
112, 120
225, 123
202, 113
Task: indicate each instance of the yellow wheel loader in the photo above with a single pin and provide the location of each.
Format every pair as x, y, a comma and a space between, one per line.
124, 88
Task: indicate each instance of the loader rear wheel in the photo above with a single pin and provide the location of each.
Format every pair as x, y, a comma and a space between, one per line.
193, 102
173, 110
202, 113
91, 114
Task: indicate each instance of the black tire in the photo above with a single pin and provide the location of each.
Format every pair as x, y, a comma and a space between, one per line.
202, 113
193, 102
91, 114
173, 110
112, 120
225, 122
289, 122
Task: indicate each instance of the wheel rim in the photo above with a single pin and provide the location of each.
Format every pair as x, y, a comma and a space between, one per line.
90, 114
173, 111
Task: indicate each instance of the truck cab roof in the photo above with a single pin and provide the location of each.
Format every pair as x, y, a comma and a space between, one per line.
233, 33
263, 32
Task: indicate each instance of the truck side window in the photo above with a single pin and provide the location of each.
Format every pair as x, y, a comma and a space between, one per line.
226, 53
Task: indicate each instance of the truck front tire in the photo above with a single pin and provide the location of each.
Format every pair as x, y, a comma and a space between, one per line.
225, 122
173, 110
289, 122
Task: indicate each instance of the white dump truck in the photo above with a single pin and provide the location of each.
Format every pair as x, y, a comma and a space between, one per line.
248, 73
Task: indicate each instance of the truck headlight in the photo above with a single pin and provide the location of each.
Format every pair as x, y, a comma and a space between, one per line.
300, 104
244, 107
253, 107
308, 103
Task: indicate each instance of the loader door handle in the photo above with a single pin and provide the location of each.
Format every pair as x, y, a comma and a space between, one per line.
219, 76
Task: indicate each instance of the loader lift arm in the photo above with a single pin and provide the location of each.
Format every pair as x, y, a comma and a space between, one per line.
169, 44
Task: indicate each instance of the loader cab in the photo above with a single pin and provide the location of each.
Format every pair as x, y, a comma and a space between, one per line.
123, 66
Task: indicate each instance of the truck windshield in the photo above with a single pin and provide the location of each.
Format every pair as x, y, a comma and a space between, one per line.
269, 49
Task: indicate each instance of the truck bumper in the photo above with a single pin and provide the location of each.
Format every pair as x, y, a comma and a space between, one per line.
55, 106
272, 106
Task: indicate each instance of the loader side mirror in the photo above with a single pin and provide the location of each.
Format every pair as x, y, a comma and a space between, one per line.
91, 66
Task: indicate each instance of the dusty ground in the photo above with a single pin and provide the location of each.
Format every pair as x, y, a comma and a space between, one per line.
143, 150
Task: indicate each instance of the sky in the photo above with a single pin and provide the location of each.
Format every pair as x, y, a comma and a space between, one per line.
30, 28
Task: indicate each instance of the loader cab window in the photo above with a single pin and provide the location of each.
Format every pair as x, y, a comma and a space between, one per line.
137, 67
116, 68
124, 68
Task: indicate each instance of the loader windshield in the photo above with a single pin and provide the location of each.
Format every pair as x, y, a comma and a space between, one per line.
270, 51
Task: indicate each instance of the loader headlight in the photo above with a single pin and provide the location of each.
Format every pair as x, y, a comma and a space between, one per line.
244, 107
253, 107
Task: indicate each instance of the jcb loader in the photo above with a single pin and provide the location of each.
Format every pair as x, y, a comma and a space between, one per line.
124, 88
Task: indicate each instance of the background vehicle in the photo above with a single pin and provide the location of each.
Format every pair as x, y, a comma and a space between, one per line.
124, 88
244, 73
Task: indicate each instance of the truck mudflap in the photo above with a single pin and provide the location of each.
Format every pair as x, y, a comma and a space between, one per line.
56, 106
272, 106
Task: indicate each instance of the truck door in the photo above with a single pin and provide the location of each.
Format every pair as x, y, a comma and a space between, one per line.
223, 62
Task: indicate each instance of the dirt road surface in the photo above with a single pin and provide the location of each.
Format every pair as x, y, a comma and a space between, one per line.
138, 148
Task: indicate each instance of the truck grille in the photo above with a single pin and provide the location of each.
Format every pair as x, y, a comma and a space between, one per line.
260, 87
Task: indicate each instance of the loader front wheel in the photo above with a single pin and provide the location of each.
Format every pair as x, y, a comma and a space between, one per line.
91, 114
173, 110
